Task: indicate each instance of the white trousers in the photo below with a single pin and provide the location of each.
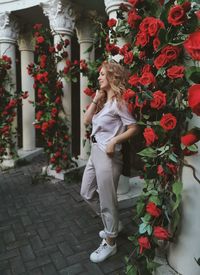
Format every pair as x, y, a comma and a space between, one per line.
99, 187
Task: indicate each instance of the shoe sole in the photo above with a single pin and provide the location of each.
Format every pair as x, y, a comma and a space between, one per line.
111, 254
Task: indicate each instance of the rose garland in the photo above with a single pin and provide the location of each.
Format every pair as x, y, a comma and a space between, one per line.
50, 120
8, 105
162, 95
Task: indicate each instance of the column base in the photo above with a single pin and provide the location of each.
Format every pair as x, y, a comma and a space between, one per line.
22, 156
129, 199
69, 174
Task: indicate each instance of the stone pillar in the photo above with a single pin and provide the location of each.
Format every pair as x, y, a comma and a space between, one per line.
86, 40
183, 252
61, 21
112, 6
8, 38
26, 47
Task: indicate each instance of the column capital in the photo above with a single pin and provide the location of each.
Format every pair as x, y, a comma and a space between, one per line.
113, 5
26, 42
61, 16
9, 28
85, 29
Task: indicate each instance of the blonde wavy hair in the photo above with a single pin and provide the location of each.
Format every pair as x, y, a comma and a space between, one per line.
117, 77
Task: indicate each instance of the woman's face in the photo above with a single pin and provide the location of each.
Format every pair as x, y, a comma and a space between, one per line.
103, 82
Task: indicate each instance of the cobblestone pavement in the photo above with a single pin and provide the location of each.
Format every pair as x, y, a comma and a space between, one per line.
46, 228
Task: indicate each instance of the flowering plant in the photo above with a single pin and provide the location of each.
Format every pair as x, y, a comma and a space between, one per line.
163, 93
50, 119
8, 105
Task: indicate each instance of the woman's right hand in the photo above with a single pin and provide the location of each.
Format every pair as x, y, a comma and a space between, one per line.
99, 94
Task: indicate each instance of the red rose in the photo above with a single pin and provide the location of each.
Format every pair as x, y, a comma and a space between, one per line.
168, 122
112, 48
128, 57
133, 17
176, 15
153, 210
111, 22
159, 100
160, 171
192, 45
147, 78
190, 138
160, 61
133, 2
149, 135
160, 233
171, 52
142, 39
194, 98
154, 26
40, 39
88, 91
134, 80
175, 72
126, 47
58, 169
39, 115
156, 43
128, 94
44, 127
144, 244
172, 168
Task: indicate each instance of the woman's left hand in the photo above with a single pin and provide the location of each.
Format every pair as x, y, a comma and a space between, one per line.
110, 148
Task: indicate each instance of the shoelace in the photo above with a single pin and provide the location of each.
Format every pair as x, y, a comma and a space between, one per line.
101, 247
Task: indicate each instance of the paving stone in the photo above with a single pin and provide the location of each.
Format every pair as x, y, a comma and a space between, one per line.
49, 269
72, 270
17, 266
47, 228
27, 253
59, 260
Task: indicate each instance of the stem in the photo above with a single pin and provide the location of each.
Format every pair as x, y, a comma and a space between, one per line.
193, 171
172, 266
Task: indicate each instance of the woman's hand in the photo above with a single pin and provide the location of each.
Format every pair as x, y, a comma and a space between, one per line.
99, 94
110, 148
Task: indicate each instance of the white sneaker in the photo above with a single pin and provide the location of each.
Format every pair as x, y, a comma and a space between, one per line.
102, 233
103, 252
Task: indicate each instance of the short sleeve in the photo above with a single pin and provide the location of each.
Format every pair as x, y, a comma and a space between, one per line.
125, 115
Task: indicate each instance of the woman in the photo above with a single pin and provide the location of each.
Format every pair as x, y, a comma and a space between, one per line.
112, 124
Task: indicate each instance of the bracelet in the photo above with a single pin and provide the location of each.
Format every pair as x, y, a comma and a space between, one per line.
94, 102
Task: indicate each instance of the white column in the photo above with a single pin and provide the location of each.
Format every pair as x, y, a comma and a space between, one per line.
85, 33
26, 47
8, 38
187, 246
61, 21
112, 6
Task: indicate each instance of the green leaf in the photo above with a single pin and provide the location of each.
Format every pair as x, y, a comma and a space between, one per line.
173, 157
143, 228
193, 148
193, 74
140, 207
146, 218
152, 265
177, 190
176, 220
131, 270
155, 199
149, 229
148, 152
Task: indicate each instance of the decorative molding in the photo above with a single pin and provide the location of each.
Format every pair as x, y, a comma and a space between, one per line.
85, 29
26, 42
9, 28
113, 5
61, 16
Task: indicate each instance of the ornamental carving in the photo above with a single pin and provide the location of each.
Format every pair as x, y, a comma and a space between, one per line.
9, 28
113, 5
61, 16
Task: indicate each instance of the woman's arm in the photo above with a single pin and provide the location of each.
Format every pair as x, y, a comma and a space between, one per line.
131, 131
92, 108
